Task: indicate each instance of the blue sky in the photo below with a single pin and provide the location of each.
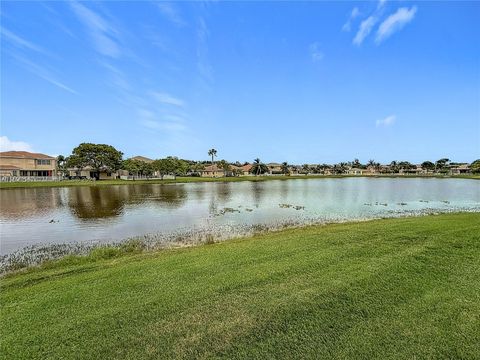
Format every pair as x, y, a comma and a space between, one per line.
303, 82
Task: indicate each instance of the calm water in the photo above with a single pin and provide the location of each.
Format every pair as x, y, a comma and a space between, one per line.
112, 213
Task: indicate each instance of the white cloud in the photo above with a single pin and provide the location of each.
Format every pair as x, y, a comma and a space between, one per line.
171, 13
168, 99
395, 22
203, 64
366, 27
315, 52
167, 123
8, 145
43, 73
388, 121
353, 15
101, 32
381, 3
21, 42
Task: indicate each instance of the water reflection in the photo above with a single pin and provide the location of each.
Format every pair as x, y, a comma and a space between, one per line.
117, 212
24, 203
95, 202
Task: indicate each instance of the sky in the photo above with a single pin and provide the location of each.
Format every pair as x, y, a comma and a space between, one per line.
302, 82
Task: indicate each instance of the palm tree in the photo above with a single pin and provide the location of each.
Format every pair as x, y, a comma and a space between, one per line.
212, 152
258, 167
285, 169
371, 163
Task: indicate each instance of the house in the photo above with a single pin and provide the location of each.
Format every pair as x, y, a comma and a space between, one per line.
275, 169
88, 173
142, 158
24, 163
355, 171
460, 169
212, 171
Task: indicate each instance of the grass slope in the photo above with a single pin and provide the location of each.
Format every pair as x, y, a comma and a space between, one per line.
387, 289
66, 183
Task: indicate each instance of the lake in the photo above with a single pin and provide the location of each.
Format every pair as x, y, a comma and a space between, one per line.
38, 216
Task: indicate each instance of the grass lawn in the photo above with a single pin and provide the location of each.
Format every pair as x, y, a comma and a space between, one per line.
65, 183
386, 289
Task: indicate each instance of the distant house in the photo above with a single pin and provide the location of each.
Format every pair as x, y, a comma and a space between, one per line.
417, 170
24, 163
355, 171
212, 171
88, 173
274, 169
460, 169
142, 158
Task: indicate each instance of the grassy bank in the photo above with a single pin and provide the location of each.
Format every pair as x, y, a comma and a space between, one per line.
65, 183
398, 288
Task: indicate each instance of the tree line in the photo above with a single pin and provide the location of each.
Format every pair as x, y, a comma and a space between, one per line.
105, 158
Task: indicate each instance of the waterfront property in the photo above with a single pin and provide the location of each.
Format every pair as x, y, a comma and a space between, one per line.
213, 171
88, 173
18, 164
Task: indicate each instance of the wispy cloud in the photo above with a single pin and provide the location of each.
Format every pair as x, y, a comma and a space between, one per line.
366, 27
388, 121
353, 15
168, 99
9, 145
20, 42
395, 22
152, 121
203, 63
43, 73
171, 13
315, 53
103, 34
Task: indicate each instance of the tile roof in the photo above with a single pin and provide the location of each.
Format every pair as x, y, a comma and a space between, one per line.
24, 155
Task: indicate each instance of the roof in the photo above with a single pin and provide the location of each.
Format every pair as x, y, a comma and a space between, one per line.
142, 158
24, 155
212, 168
8, 167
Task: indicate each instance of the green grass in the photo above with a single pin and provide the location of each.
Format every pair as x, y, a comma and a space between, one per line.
386, 289
65, 183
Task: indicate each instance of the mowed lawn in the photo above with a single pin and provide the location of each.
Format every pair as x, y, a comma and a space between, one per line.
387, 289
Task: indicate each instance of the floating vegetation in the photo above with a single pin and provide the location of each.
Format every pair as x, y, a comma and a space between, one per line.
402, 204
424, 201
225, 211
210, 233
248, 209
287, 206
367, 204
445, 201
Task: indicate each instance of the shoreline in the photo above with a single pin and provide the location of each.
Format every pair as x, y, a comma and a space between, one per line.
370, 288
40, 256
184, 180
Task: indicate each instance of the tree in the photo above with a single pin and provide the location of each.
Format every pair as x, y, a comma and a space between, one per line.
213, 153
475, 167
163, 167
356, 164
225, 166
285, 168
428, 165
441, 165
98, 157
371, 163
305, 168
258, 167
132, 166
62, 165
